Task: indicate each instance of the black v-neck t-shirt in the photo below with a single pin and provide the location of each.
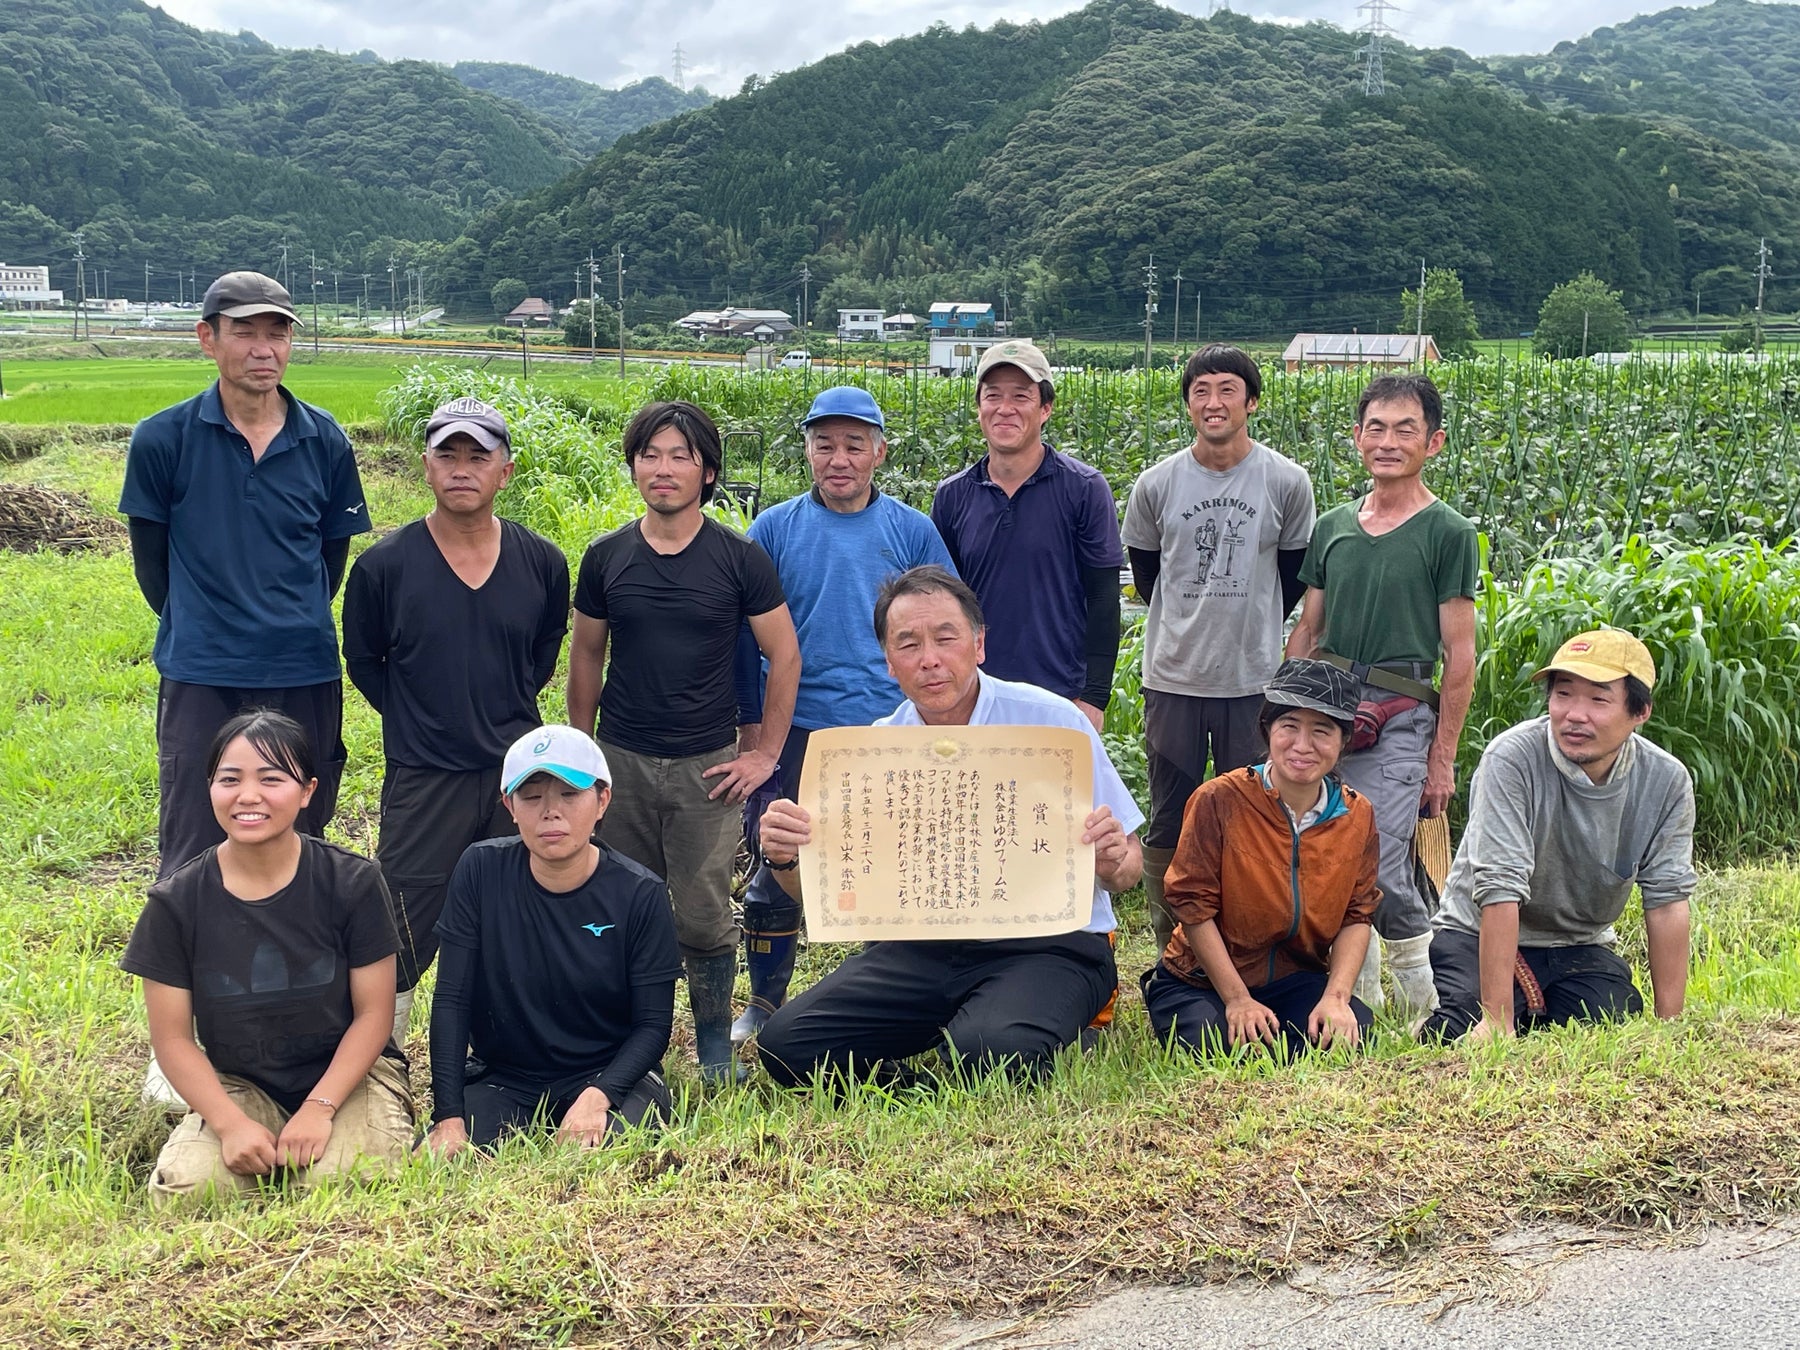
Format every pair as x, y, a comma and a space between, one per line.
673, 621
454, 671
270, 978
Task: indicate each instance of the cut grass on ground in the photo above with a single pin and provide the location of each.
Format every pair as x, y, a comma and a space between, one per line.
761, 1217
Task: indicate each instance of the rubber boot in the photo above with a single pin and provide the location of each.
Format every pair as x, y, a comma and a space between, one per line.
769, 949
709, 996
159, 1091
1368, 980
1415, 991
1156, 867
403, 1002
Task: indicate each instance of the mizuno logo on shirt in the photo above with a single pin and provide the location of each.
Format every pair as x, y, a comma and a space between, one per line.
598, 928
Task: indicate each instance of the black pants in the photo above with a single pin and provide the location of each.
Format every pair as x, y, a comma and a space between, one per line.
1011, 1003
1196, 1016
1184, 736
1582, 983
495, 1106
188, 716
768, 908
428, 817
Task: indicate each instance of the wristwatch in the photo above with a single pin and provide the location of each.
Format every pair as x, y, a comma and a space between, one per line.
787, 866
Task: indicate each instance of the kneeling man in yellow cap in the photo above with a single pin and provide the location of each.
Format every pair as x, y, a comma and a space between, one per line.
1567, 813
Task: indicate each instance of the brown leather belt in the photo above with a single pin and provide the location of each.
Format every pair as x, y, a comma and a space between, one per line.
1381, 677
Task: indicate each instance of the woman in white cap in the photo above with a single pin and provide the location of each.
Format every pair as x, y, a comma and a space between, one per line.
558, 966
1273, 886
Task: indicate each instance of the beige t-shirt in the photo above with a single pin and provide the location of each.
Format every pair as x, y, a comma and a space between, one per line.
1214, 629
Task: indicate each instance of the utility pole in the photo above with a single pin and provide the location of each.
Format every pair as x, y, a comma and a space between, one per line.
286, 276
1696, 311
593, 307
1376, 28
365, 299
1584, 334
337, 298
621, 249
1196, 314
1419, 340
80, 284
805, 294
146, 292
394, 302
1005, 307
1175, 336
1149, 311
313, 258
1762, 275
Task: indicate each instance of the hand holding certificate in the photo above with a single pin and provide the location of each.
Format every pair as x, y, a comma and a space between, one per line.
946, 832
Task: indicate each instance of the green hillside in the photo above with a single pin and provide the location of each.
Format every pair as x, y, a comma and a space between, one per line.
589, 117
1056, 158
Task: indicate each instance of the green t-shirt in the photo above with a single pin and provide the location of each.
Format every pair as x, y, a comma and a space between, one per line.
1382, 592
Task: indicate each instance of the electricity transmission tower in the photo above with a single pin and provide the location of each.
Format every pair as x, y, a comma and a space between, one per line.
680, 69
1378, 29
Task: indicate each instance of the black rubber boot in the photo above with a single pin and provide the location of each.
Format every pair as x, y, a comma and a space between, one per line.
771, 937
709, 996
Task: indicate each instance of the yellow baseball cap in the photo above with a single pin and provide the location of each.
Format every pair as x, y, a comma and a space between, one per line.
1603, 655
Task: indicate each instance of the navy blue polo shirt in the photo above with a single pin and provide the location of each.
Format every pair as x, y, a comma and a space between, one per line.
249, 605
1024, 556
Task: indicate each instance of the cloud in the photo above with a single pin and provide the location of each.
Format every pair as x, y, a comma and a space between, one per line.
612, 42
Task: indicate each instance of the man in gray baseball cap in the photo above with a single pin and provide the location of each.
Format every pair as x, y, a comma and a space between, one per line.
242, 502
452, 627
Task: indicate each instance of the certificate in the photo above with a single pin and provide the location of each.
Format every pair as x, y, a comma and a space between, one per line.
946, 832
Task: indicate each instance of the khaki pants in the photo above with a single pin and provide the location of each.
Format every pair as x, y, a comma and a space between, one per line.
371, 1133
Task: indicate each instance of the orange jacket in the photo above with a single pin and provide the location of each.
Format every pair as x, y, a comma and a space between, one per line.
1280, 898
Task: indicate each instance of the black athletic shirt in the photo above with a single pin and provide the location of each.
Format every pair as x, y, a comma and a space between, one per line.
546, 986
455, 673
270, 979
673, 623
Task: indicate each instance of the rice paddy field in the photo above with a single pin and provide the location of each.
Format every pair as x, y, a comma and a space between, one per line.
1659, 497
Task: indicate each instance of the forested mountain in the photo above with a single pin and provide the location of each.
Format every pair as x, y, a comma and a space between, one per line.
1731, 70
195, 150
589, 117
1055, 159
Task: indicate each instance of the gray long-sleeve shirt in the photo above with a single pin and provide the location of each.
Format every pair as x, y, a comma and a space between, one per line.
1566, 850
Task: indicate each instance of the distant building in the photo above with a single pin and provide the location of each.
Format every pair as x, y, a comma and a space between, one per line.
1381, 350
959, 316
900, 324
859, 325
952, 354
27, 288
734, 322
531, 312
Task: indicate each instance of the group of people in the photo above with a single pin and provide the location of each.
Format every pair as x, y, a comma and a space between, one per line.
565, 877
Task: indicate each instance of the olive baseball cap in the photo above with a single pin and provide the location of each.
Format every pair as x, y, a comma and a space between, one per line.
1316, 685
471, 417
563, 752
1603, 655
1027, 356
238, 295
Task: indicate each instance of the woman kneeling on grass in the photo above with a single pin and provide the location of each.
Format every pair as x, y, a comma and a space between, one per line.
1273, 885
558, 967
278, 950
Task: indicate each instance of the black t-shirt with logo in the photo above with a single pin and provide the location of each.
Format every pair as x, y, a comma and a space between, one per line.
558, 979
270, 978
673, 623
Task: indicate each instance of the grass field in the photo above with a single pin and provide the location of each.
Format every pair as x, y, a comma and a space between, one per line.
760, 1218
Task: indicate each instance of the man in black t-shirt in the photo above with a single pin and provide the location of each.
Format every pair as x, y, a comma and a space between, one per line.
452, 626
559, 966
669, 592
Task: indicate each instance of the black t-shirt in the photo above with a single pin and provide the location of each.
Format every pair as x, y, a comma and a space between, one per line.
672, 623
455, 673
270, 979
555, 975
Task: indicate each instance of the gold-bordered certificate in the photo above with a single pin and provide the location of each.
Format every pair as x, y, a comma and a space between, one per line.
946, 832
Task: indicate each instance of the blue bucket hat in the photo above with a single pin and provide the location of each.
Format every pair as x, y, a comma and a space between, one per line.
846, 400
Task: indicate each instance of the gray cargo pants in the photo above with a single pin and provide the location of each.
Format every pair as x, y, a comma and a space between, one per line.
1391, 774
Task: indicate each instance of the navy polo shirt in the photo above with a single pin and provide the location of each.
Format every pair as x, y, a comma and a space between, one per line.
1025, 555
249, 605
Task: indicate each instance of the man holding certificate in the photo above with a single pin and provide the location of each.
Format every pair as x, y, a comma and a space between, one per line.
989, 1002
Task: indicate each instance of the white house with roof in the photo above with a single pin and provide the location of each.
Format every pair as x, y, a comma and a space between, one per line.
734, 322
859, 325
27, 287
1382, 350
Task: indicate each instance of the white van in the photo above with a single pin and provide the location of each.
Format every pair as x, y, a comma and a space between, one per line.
797, 359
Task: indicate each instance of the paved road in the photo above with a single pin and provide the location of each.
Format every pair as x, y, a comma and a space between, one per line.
1739, 1289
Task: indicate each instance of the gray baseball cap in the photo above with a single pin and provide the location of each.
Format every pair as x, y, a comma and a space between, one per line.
470, 417
1317, 685
238, 295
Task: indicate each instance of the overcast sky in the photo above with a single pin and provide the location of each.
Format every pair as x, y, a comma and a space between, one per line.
613, 42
